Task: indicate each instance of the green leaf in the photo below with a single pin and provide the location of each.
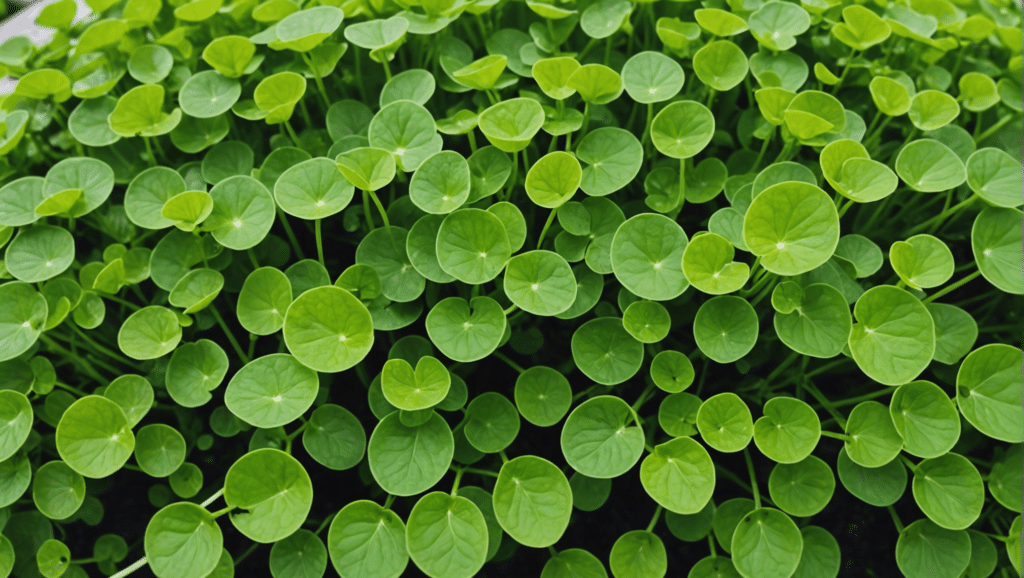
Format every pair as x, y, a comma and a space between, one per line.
996, 244
492, 422
725, 328
793, 227
300, 555
196, 290
874, 441
327, 329
275, 490
415, 390
407, 131
149, 333
720, 65
447, 536
540, 282
684, 128
949, 490
542, 395
511, 124
367, 540
925, 550
677, 414
466, 332
819, 324
264, 300
646, 255
929, 166
405, 460
574, 563
932, 109
672, 371
708, 265
894, 337
208, 94
861, 28
16, 417
725, 423
53, 558
159, 450
229, 55
532, 501
788, 431
766, 543
925, 418
334, 438
182, 540
271, 391
598, 441
441, 184
369, 169
39, 253
243, 212
988, 388
140, 112
416, 84
94, 437
890, 96
302, 31
995, 176
57, 490
803, 488
679, 475
638, 554
821, 556
605, 352
473, 246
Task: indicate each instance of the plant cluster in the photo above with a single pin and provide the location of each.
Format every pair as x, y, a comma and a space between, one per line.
495, 287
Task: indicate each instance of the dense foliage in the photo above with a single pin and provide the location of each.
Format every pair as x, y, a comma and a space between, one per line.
495, 287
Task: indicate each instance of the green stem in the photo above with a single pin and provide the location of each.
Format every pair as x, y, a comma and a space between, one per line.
993, 129
480, 472
837, 436
512, 309
231, 337
149, 151
124, 302
109, 353
366, 211
938, 219
644, 396
827, 367
753, 478
319, 242
711, 544
455, 484
504, 458
510, 363
290, 233
682, 183
764, 148
291, 132
513, 176
896, 520
654, 518
952, 287
810, 387
380, 208
845, 207
319, 80
388, 501
327, 521
73, 390
252, 345
865, 397
547, 224
387, 69
472, 140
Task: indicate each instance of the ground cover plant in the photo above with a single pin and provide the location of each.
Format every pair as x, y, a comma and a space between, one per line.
470, 288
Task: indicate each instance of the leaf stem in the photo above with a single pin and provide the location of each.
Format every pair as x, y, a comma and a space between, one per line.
380, 209
512, 309
895, 519
149, 151
108, 352
319, 242
513, 176
993, 129
510, 363
753, 477
290, 233
319, 80
390, 500
654, 518
682, 184
504, 458
938, 219
837, 436
764, 149
455, 484
547, 224
480, 472
231, 337
327, 521
810, 387
952, 287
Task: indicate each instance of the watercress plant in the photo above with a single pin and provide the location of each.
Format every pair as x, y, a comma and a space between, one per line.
496, 287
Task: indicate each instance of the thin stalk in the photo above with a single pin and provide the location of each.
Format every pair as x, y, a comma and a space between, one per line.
291, 132
149, 151
124, 302
472, 140
896, 519
387, 69
104, 350
480, 472
508, 361
845, 207
993, 129
319, 242
231, 337
290, 233
388, 501
513, 176
654, 518
952, 287
764, 148
862, 398
837, 436
319, 80
938, 219
586, 120
327, 521
753, 478
682, 183
366, 211
380, 208
455, 484
810, 387
547, 225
